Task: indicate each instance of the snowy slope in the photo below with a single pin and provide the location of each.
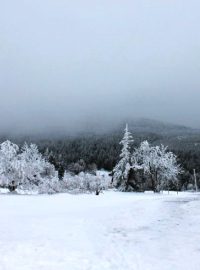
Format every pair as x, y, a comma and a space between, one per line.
111, 231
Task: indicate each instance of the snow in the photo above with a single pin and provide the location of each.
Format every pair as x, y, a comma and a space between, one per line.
112, 231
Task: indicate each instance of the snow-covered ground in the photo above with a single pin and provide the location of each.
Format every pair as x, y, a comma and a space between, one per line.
111, 231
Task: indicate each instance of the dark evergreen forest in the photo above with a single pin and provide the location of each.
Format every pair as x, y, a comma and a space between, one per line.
87, 152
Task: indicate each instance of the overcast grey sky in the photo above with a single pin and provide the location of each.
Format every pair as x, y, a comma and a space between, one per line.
62, 61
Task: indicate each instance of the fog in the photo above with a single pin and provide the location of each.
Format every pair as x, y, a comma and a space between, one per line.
67, 64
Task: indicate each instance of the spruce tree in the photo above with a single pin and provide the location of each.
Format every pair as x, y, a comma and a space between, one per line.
122, 168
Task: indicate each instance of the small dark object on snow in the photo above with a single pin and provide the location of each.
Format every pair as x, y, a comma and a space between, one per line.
12, 187
97, 192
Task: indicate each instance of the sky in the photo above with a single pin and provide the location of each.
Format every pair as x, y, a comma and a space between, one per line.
64, 64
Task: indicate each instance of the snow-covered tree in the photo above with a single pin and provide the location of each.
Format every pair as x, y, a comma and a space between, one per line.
9, 164
170, 169
158, 163
35, 171
141, 156
123, 166
32, 165
85, 182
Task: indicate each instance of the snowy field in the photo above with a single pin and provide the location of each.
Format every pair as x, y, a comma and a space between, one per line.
111, 231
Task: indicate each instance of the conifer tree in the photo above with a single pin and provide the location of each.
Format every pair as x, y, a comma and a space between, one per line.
123, 166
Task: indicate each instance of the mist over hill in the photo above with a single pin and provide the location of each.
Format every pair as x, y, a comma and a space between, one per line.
94, 136
95, 128
158, 127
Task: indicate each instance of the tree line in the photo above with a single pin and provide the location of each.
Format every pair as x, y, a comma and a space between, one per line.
91, 152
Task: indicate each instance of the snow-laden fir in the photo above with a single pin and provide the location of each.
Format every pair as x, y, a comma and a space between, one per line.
123, 166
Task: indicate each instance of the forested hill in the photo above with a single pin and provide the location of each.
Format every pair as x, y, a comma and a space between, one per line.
158, 127
102, 148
